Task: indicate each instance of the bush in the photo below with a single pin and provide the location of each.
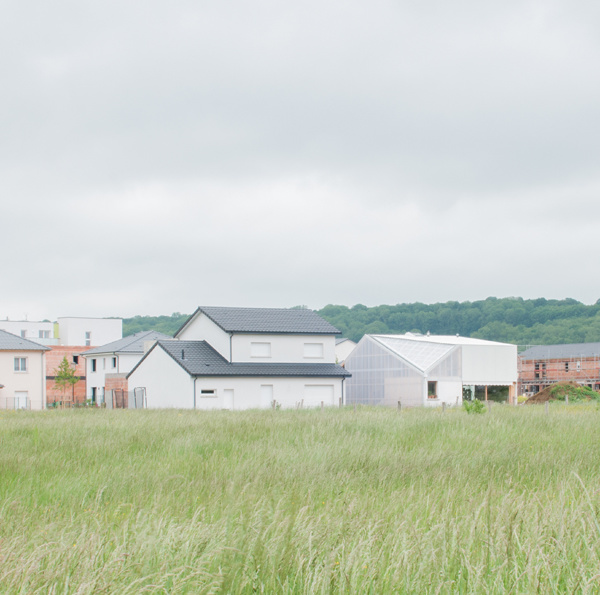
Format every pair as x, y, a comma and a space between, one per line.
475, 406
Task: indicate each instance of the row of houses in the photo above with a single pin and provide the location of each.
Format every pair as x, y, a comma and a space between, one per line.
240, 358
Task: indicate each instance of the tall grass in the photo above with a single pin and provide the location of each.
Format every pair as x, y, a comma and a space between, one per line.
366, 501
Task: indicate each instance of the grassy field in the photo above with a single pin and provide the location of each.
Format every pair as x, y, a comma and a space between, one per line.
372, 501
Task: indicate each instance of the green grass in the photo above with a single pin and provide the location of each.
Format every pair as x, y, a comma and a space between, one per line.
372, 501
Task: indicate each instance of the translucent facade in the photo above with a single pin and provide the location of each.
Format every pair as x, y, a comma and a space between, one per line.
387, 370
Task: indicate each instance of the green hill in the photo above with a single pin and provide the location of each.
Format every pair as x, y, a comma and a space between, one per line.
513, 320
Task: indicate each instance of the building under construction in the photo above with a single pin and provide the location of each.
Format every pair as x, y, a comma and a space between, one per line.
542, 365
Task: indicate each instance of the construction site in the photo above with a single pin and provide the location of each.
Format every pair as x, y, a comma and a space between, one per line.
540, 366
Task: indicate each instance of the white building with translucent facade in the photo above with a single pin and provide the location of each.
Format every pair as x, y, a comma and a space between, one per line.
421, 370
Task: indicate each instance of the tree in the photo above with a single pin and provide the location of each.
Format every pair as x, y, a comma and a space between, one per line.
64, 376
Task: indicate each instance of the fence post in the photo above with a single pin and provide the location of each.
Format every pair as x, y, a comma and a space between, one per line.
322, 405
340, 402
546, 407
443, 406
399, 406
489, 404
566, 399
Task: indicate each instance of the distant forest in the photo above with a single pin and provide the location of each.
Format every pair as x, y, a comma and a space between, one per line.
512, 320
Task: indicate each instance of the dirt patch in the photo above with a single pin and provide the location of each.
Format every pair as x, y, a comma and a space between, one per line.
557, 391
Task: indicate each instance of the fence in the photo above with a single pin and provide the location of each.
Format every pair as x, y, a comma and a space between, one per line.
118, 398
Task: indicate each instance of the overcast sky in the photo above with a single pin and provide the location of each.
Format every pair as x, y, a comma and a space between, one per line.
156, 156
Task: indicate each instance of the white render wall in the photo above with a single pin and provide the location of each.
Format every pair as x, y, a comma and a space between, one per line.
168, 385
72, 331
32, 329
33, 381
203, 328
125, 363
489, 364
283, 348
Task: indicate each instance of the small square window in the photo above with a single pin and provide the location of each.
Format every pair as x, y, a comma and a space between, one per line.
208, 392
75, 359
23, 334
20, 364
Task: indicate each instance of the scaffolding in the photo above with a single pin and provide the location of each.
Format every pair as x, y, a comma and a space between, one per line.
540, 366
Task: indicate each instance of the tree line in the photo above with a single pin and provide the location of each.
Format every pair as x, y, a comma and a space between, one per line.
512, 320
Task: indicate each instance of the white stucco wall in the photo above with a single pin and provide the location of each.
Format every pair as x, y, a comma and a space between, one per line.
202, 328
33, 381
167, 384
489, 364
284, 348
32, 330
125, 363
72, 331
344, 349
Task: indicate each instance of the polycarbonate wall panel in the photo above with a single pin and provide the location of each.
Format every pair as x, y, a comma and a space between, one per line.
449, 367
420, 353
381, 378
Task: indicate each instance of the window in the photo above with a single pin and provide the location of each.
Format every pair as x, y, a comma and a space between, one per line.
20, 364
260, 349
43, 334
88, 338
566, 366
113, 362
75, 359
208, 392
432, 390
94, 391
23, 334
104, 363
313, 350
93, 365
579, 366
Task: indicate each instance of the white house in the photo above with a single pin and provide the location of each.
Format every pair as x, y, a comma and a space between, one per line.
242, 358
73, 330
39, 331
421, 370
343, 348
22, 373
115, 359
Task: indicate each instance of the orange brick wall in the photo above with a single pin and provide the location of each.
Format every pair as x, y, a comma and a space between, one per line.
53, 359
550, 371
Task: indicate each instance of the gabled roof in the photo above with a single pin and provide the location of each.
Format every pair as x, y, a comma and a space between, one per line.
130, 344
198, 358
342, 340
421, 354
10, 342
265, 320
569, 350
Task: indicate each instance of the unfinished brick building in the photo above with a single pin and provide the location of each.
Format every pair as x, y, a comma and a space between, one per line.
54, 357
543, 365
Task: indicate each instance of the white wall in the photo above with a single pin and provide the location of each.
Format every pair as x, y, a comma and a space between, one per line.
72, 331
167, 384
125, 363
344, 349
32, 330
284, 348
33, 381
448, 391
203, 328
489, 364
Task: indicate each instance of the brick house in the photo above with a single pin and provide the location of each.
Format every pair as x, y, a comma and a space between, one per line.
543, 365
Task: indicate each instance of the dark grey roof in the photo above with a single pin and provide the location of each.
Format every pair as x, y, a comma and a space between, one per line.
130, 344
10, 342
569, 350
200, 359
266, 320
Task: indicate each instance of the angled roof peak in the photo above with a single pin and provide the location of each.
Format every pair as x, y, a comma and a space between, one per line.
132, 343
298, 321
